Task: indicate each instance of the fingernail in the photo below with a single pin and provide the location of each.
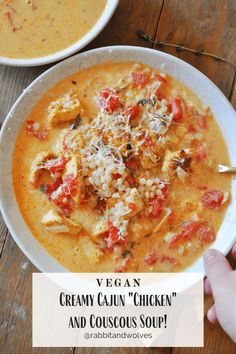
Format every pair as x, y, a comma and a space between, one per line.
234, 251
210, 254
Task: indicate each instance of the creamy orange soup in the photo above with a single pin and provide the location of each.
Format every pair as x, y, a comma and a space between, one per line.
115, 170
36, 28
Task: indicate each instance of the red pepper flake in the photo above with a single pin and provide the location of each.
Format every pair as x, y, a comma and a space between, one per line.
9, 18
151, 258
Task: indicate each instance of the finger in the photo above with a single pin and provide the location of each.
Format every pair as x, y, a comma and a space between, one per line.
207, 287
211, 315
233, 251
216, 266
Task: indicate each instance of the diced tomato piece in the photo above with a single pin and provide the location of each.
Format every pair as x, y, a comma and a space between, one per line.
212, 199
38, 134
61, 196
116, 175
151, 258
176, 108
140, 79
206, 234
51, 187
109, 100
113, 236
162, 79
132, 206
174, 241
192, 129
165, 192
132, 112
70, 184
156, 207
131, 180
169, 259
148, 142
55, 165
161, 94
200, 152
131, 163
202, 122
190, 228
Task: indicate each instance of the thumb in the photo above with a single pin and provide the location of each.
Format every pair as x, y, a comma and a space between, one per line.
211, 315
216, 266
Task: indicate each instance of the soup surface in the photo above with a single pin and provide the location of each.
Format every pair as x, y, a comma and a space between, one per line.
36, 28
114, 170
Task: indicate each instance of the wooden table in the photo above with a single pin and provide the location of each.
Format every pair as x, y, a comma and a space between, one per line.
208, 25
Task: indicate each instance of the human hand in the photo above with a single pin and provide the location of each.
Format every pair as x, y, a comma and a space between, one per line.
221, 284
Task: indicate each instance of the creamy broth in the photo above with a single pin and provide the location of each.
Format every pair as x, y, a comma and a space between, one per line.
36, 28
174, 214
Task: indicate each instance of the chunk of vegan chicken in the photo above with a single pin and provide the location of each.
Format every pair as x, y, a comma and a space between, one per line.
57, 223
90, 221
69, 141
90, 249
72, 167
65, 109
36, 166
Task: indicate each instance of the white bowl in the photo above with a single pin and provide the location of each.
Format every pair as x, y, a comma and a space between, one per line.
81, 43
204, 88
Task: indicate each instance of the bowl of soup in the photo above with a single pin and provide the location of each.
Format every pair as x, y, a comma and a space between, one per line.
40, 32
112, 165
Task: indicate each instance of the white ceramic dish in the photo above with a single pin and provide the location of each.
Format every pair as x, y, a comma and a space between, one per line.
95, 30
208, 92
